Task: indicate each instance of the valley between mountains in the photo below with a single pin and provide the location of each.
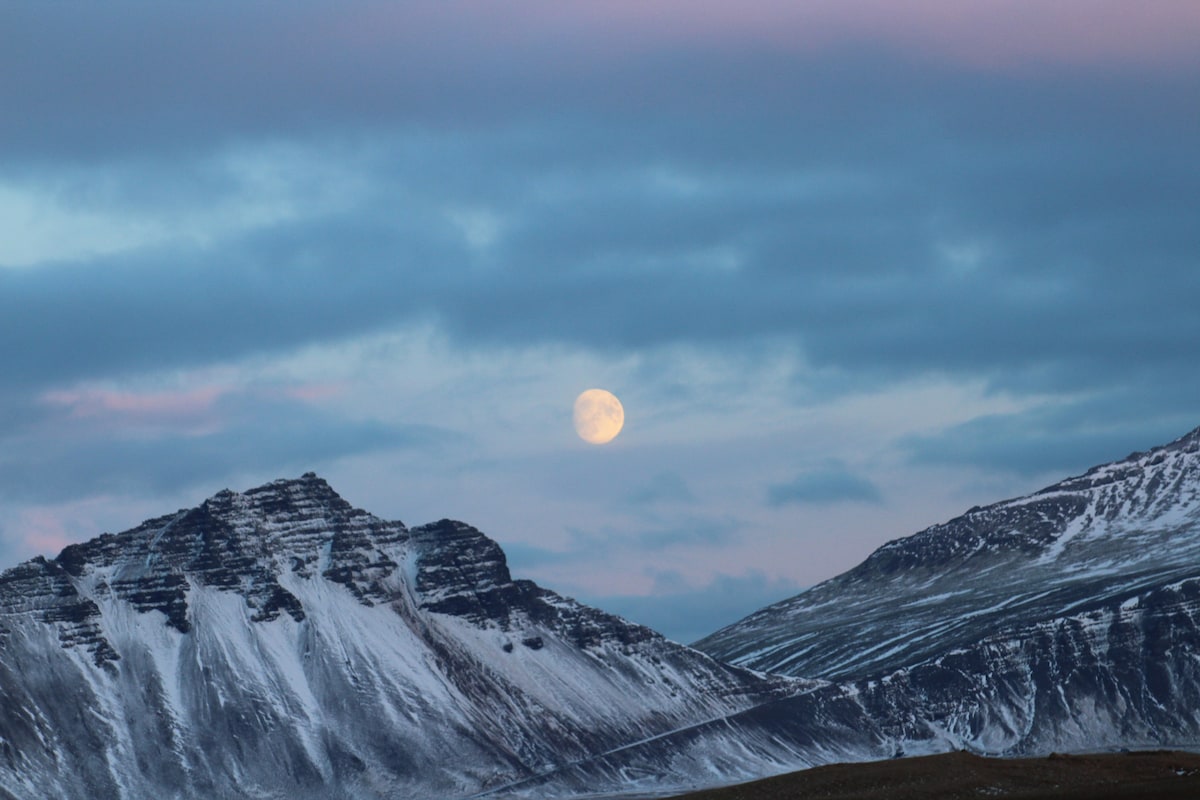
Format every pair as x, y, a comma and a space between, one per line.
280, 643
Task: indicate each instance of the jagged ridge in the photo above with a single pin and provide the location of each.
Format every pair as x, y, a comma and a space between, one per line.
279, 641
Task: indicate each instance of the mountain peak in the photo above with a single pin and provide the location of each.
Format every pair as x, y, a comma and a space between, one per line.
460, 571
245, 542
288, 495
1191, 439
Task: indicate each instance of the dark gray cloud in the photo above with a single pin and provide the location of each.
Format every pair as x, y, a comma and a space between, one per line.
830, 484
1057, 440
143, 312
888, 218
860, 270
1002, 264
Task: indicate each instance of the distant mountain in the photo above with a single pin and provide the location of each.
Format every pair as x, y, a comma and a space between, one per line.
1064, 619
279, 643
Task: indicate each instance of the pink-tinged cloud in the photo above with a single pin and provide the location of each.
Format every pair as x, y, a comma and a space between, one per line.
198, 411
190, 412
43, 530
986, 33
99, 402
47, 529
980, 32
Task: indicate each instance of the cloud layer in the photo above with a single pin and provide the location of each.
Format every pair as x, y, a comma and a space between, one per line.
827, 254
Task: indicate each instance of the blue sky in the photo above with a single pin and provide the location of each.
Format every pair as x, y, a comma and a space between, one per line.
851, 267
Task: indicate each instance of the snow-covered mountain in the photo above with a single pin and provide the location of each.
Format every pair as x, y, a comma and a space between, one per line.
280, 643
1064, 619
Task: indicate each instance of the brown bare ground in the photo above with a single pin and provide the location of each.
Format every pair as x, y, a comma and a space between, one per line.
1155, 775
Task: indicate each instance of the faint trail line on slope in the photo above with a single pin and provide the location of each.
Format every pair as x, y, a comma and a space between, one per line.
630, 745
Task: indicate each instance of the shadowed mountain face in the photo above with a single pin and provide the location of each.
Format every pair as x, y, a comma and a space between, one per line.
280, 643
1065, 619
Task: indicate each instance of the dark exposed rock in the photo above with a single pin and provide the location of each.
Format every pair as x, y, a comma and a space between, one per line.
463, 573
45, 589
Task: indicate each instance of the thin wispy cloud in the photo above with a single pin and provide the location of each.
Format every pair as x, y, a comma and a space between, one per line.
824, 486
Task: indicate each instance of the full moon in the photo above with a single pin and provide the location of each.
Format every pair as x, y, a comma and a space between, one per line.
599, 416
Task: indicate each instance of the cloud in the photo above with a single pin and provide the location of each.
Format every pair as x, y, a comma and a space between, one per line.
1053, 441
139, 406
685, 612
826, 198
648, 535
72, 455
935, 225
352, 70
832, 484
665, 487
245, 71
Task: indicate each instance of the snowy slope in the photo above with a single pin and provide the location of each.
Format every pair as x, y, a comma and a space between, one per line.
1065, 619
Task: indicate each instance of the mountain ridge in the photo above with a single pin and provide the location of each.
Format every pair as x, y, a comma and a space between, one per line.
1062, 620
1065, 525
281, 637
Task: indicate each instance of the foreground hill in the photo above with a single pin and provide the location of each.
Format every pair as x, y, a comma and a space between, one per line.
1161, 775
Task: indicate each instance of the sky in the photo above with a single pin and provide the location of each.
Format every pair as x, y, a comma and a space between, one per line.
851, 267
